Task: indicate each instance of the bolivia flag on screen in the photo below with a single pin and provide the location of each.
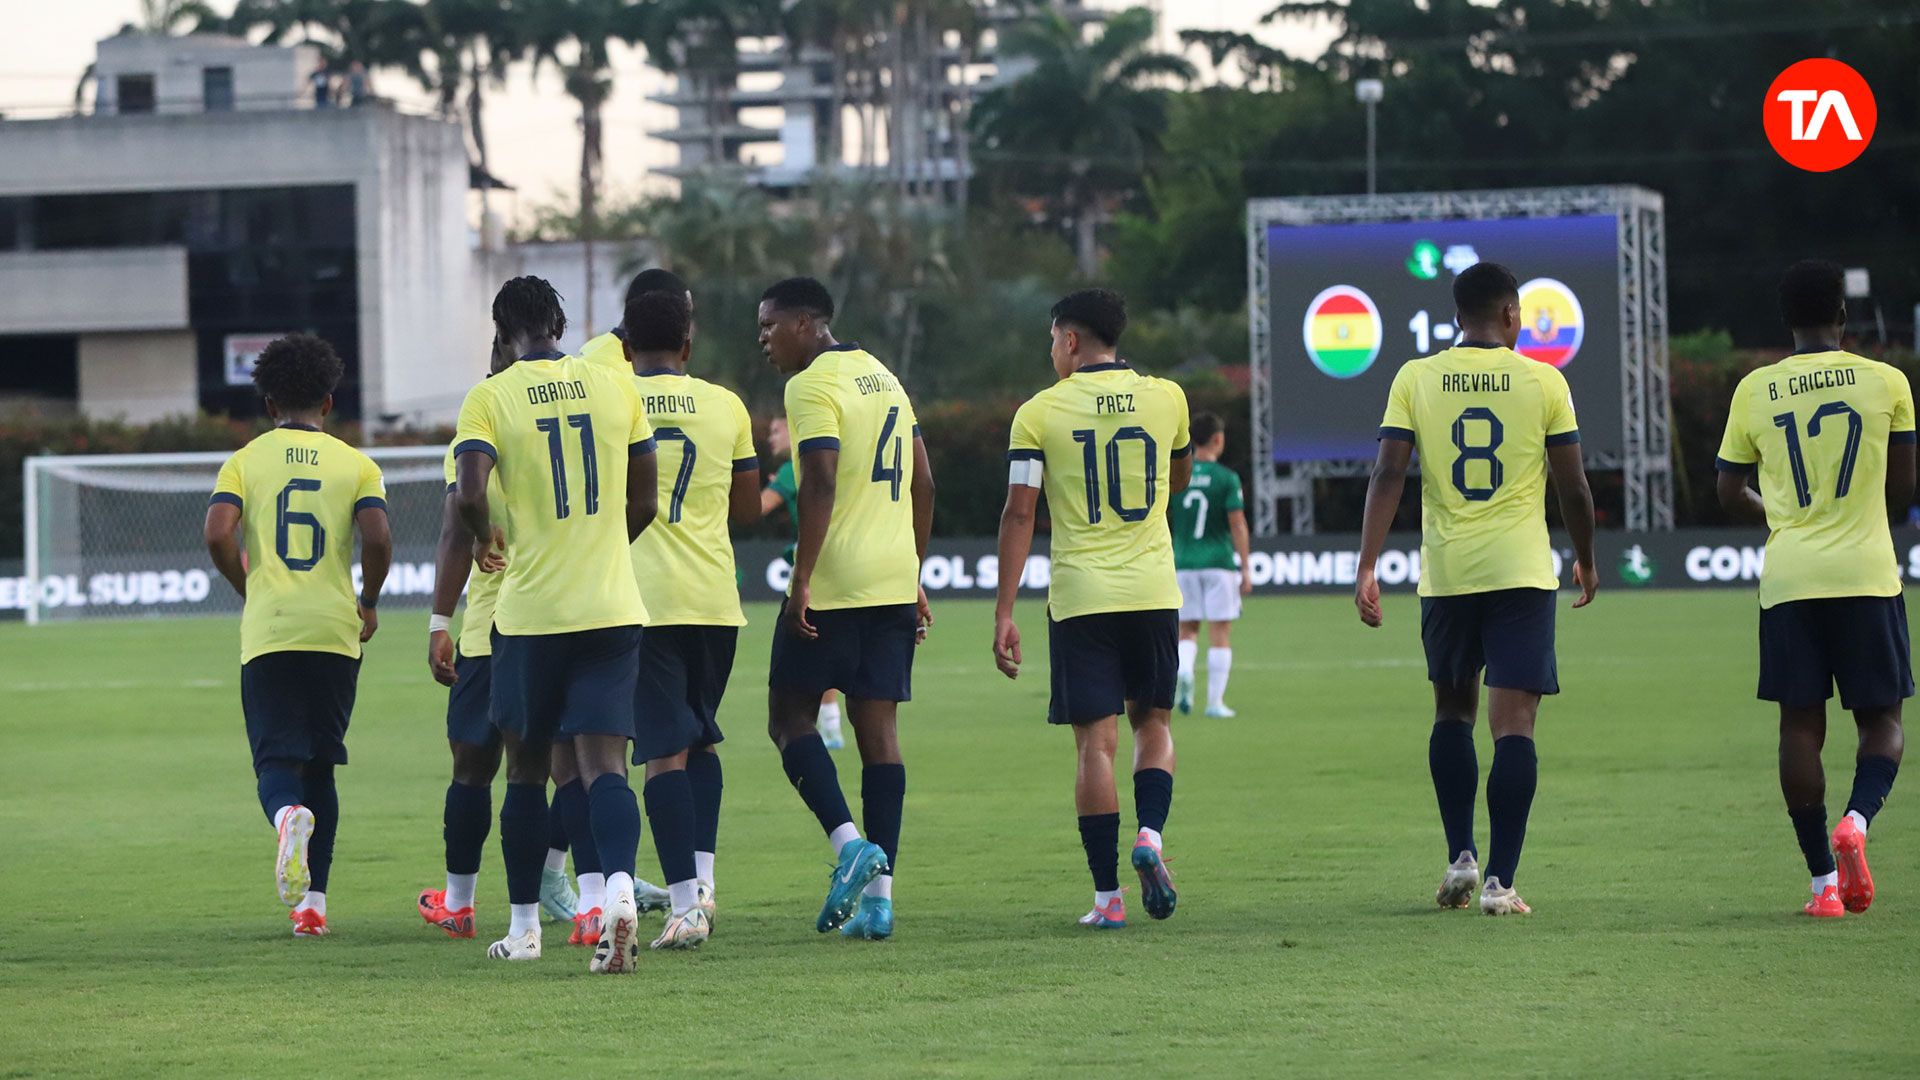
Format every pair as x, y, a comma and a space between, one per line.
1551, 324
1342, 331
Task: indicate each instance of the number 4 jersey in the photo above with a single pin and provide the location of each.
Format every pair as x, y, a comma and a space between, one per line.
561, 431
1818, 426
1104, 439
1482, 419
847, 401
298, 490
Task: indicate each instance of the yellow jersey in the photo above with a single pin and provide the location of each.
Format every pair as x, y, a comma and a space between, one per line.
847, 401
298, 490
1482, 418
608, 350
560, 430
1818, 425
684, 561
483, 590
1105, 438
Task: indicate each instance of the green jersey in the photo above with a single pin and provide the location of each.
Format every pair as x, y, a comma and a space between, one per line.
788, 489
1198, 518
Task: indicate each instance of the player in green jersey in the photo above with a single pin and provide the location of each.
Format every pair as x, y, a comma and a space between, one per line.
1210, 548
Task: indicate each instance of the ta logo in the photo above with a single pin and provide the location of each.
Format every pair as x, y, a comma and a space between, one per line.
1819, 115
1636, 568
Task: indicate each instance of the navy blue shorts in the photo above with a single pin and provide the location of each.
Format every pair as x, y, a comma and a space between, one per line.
683, 674
298, 704
1860, 642
470, 702
555, 686
1509, 632
1102, 661
864, 652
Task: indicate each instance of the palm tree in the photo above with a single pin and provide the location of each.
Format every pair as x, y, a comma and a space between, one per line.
377, 33
471, 42
1082, 125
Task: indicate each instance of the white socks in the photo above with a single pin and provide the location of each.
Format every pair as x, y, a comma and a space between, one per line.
703, 866
1824, 881
315, 902
1150, 836
1188, 650
830, 718
1102, 899
556, 860
619, 885
460, 891
1219, 664
526, 918
880, 888
840, 837
593, 892
683, 894
1858, 819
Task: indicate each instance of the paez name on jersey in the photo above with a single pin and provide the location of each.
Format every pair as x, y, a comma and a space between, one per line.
1113, 403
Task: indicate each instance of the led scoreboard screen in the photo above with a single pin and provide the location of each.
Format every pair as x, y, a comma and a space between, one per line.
1350, 303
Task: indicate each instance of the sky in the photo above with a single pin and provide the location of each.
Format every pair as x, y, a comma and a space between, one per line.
532, 127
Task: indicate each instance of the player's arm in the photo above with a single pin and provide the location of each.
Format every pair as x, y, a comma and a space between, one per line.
643, 490
1576, 510
1180, 468
472, 469
770, 498
746, 502
376, 558
1744, 505
819, 485
1900, 473
223, 542
1384, 488
922, 521
452, 565
1243, 547
1016, 543
1180, 472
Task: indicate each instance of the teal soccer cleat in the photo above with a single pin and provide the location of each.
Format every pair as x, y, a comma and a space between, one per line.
557, 897
1156, 884
860, 862
873, 922
1183, 692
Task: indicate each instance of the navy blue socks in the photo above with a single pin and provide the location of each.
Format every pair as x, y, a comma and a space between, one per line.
616, 825
1872, 779
556, 826
523, 840
1100, 835
1456, 780
1810, 828
703, 773
279, 786
882, 789
1510, 785
465, 825
670, 811
571, 800
324, 801
810, 770
1152, 798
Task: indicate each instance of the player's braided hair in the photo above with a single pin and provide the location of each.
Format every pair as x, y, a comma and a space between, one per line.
298, 371
529, 307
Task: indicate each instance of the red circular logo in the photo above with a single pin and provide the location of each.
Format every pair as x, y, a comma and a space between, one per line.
1819, 115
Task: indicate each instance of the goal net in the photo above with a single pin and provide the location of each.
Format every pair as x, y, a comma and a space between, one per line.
122, 534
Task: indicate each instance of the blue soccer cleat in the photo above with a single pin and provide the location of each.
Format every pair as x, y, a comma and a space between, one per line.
1156, 884
873, 922
557, 896
860, 862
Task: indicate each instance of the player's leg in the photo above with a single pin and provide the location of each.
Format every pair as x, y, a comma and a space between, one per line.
1144, 640
664, 726
708, 686
559, 900
1796, 673
1192, 609
467, 818
1877, 762
603, 669
570, 803
330, 682
1450, 636
829, 721
1223, 608
1875, 674
1097, 803
883, 789
707, 778
1511, 782
523, 840
277, 733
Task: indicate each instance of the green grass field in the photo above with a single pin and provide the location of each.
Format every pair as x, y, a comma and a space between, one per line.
141, 936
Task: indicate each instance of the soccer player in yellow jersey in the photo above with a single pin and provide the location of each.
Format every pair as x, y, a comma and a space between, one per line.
1490, 426
1832, 437
300, 493
709, 476
1111, 447
571, 444
854, 610
608, 348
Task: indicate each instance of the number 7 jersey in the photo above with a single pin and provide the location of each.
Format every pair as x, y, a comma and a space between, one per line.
1482, 419
1818, 425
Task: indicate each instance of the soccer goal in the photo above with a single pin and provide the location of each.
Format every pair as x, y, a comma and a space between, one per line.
115, 535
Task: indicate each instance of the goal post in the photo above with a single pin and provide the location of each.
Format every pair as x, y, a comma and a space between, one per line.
117, 535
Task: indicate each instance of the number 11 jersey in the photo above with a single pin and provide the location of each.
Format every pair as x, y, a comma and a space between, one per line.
1482, 419
848, 401
560, 431
1818, 426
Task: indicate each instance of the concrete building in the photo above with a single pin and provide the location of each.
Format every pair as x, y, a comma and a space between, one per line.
157, 73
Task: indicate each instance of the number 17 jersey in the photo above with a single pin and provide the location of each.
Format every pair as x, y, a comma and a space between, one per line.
1482, 419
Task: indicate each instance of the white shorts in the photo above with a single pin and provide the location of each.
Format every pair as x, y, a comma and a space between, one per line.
1209, 595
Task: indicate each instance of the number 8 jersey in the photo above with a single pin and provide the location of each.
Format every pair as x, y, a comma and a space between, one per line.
1482, 418
560, 431
1818, 425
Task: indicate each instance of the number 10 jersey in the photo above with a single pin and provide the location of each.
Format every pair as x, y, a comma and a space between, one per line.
1482, 419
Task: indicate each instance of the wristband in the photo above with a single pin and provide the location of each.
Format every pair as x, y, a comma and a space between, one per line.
439, 624
370, 604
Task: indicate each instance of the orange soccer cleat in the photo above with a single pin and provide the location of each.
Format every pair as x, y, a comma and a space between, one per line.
1827, 905
586, 928
308, 923
434, 909
1850, 858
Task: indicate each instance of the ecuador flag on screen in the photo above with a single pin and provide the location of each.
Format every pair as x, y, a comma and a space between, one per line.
1342, 331
1551, 324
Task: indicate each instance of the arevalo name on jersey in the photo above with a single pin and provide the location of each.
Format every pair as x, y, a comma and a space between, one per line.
1476, 383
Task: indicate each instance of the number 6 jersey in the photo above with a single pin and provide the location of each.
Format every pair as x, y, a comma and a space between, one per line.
298, 489
1482, 418
1104, 439
1818, 425
847, 401
560, 431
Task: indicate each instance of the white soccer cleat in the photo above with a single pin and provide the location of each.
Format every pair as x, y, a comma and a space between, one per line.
290, 861
1496, 899
687, 929
1456, 889
524, 947
619, 950
650, 897
703, 898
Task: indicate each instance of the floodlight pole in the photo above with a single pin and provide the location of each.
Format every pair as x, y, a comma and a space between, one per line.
1369, 92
